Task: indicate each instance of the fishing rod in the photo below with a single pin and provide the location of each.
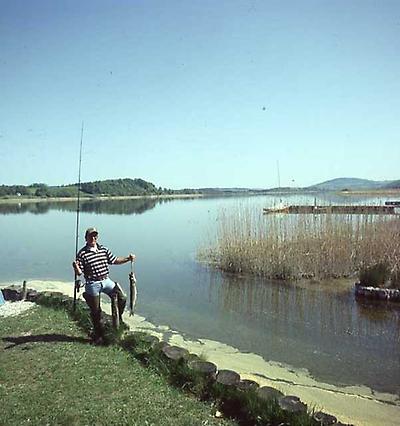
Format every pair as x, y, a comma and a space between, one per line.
77, 280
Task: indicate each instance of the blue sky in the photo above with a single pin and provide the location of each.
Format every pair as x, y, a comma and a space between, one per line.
200, 93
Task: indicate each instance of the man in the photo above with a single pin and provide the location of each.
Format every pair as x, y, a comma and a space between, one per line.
92, 260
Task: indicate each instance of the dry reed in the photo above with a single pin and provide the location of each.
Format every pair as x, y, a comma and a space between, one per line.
303, 246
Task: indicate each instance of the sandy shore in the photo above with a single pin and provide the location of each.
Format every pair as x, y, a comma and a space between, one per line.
9, 309
356, 405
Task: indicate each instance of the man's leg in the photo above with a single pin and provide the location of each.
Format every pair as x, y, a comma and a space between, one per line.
95, 312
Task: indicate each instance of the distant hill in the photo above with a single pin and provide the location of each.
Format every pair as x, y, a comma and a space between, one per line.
223, 190
246, 191
340, 184
283, 189
395, 184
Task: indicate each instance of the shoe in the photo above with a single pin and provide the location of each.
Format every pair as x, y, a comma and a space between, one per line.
98, 341
123, 326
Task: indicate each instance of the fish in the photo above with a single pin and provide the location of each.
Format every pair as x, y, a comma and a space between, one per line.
132, 292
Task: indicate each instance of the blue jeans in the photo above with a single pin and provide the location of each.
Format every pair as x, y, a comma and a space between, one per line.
94, 288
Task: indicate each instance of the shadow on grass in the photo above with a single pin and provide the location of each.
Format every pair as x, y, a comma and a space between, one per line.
45, 338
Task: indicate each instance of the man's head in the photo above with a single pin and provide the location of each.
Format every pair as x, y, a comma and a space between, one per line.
91, 235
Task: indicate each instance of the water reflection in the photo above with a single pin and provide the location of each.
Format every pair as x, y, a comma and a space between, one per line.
323, 330
119, 207
35, 208
124, 207
140, 205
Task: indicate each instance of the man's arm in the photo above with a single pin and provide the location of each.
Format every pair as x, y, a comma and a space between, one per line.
121, 260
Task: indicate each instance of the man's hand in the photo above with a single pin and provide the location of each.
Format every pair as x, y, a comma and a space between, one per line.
76, 268
121, 260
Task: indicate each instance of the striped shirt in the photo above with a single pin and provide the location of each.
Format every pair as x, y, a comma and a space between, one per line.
94, 262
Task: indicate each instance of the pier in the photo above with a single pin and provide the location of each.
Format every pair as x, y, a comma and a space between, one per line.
354, 209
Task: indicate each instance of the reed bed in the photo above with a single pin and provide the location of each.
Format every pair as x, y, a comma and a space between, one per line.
303, 246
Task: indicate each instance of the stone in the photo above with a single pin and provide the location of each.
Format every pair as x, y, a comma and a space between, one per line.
175, 353
31, 295
12, 293
324, 419
151, 340
205, 368
377, 293
268, 393
228, 377
161, 345
292, 404
246, 384
192, 358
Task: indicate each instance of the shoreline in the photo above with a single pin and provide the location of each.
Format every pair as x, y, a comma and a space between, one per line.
371, 192
20, 200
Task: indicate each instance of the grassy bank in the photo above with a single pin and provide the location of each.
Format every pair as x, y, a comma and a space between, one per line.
50, 374
303, 246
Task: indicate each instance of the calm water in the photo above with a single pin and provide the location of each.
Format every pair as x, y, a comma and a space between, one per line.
319, 327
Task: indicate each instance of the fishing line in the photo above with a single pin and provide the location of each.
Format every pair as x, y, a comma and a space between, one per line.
77, 283
79, 194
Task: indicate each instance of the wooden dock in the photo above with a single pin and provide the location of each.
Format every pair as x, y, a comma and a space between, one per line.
355, 209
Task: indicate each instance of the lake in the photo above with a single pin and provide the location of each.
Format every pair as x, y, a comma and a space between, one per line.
317, 327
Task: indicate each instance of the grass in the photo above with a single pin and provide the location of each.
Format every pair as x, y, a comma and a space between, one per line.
50, 374
53, 376
303, 246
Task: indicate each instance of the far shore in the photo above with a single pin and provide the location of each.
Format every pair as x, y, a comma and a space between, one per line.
22, 199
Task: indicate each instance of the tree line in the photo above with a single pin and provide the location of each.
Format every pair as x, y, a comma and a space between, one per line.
109, 187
